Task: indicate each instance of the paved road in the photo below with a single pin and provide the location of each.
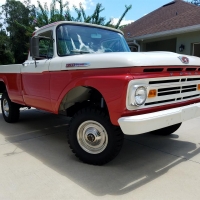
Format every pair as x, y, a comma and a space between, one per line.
36, 163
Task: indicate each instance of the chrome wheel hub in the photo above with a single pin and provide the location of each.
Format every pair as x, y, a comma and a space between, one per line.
92, 137
5, 107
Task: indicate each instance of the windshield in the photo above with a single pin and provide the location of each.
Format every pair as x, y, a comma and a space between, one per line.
73, 39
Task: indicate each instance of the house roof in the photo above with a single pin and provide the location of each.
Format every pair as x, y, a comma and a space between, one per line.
174, 15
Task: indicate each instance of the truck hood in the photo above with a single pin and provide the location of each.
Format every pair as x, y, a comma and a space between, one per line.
127, 59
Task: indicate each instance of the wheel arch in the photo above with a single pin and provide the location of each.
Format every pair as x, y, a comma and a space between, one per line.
2, 87
81, 96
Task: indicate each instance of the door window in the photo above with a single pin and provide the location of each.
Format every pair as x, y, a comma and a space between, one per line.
45, 48
46, 45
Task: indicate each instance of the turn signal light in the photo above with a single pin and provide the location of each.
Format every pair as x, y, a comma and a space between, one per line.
198, 87
152, 93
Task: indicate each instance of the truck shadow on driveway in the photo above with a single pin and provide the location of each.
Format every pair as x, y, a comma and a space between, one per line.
143, 158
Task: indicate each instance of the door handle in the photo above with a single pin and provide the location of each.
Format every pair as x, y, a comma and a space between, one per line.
24, 64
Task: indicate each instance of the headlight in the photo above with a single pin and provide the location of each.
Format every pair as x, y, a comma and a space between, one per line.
138, 95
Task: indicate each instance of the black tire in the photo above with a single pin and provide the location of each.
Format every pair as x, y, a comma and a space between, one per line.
9, 109
167, 130
86, 119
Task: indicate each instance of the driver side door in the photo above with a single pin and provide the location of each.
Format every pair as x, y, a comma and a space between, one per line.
36, 78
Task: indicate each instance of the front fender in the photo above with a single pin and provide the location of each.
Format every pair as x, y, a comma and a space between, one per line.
113, 89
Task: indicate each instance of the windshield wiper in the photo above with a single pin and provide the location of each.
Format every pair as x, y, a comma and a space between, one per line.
79, 51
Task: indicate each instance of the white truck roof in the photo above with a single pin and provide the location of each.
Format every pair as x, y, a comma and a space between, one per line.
78, 23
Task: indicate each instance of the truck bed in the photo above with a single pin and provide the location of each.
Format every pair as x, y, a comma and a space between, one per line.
15, 68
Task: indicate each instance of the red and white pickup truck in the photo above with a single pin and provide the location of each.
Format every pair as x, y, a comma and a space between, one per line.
88, 72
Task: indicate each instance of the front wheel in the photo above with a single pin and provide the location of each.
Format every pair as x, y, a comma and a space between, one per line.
93, 138
167, 130
9, 109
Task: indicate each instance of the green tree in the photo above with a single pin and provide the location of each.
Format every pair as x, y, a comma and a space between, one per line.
46, 16
6, 56
196, 2
123, 15
21, 18
19, 26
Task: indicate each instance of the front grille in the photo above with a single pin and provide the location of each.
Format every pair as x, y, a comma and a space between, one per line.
176, 90
170, 69
174, 69
153, 70
168, 89
164, 81
193, 79
190, 69
172, 90
188, 97
159, 102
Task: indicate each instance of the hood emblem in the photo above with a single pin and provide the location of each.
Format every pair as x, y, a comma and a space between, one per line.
184, 59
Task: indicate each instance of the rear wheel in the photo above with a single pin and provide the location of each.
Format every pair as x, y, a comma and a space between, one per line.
93, 138
167, 130
9, 109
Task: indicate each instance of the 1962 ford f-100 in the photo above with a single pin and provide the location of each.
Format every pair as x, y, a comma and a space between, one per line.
88, 72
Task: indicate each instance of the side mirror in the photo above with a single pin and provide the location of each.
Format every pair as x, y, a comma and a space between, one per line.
34, 46
34, 50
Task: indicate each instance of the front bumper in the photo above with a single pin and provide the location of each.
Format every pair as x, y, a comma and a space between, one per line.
134, 125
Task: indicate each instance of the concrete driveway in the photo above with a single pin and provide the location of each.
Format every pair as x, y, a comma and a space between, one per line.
36, 163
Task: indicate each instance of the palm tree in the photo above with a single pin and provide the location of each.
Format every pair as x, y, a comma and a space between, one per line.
123, 15
44, 16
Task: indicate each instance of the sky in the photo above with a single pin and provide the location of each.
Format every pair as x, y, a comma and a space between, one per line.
115, 8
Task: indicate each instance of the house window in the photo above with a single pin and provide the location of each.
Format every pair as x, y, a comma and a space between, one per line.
162, 45
196, 49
